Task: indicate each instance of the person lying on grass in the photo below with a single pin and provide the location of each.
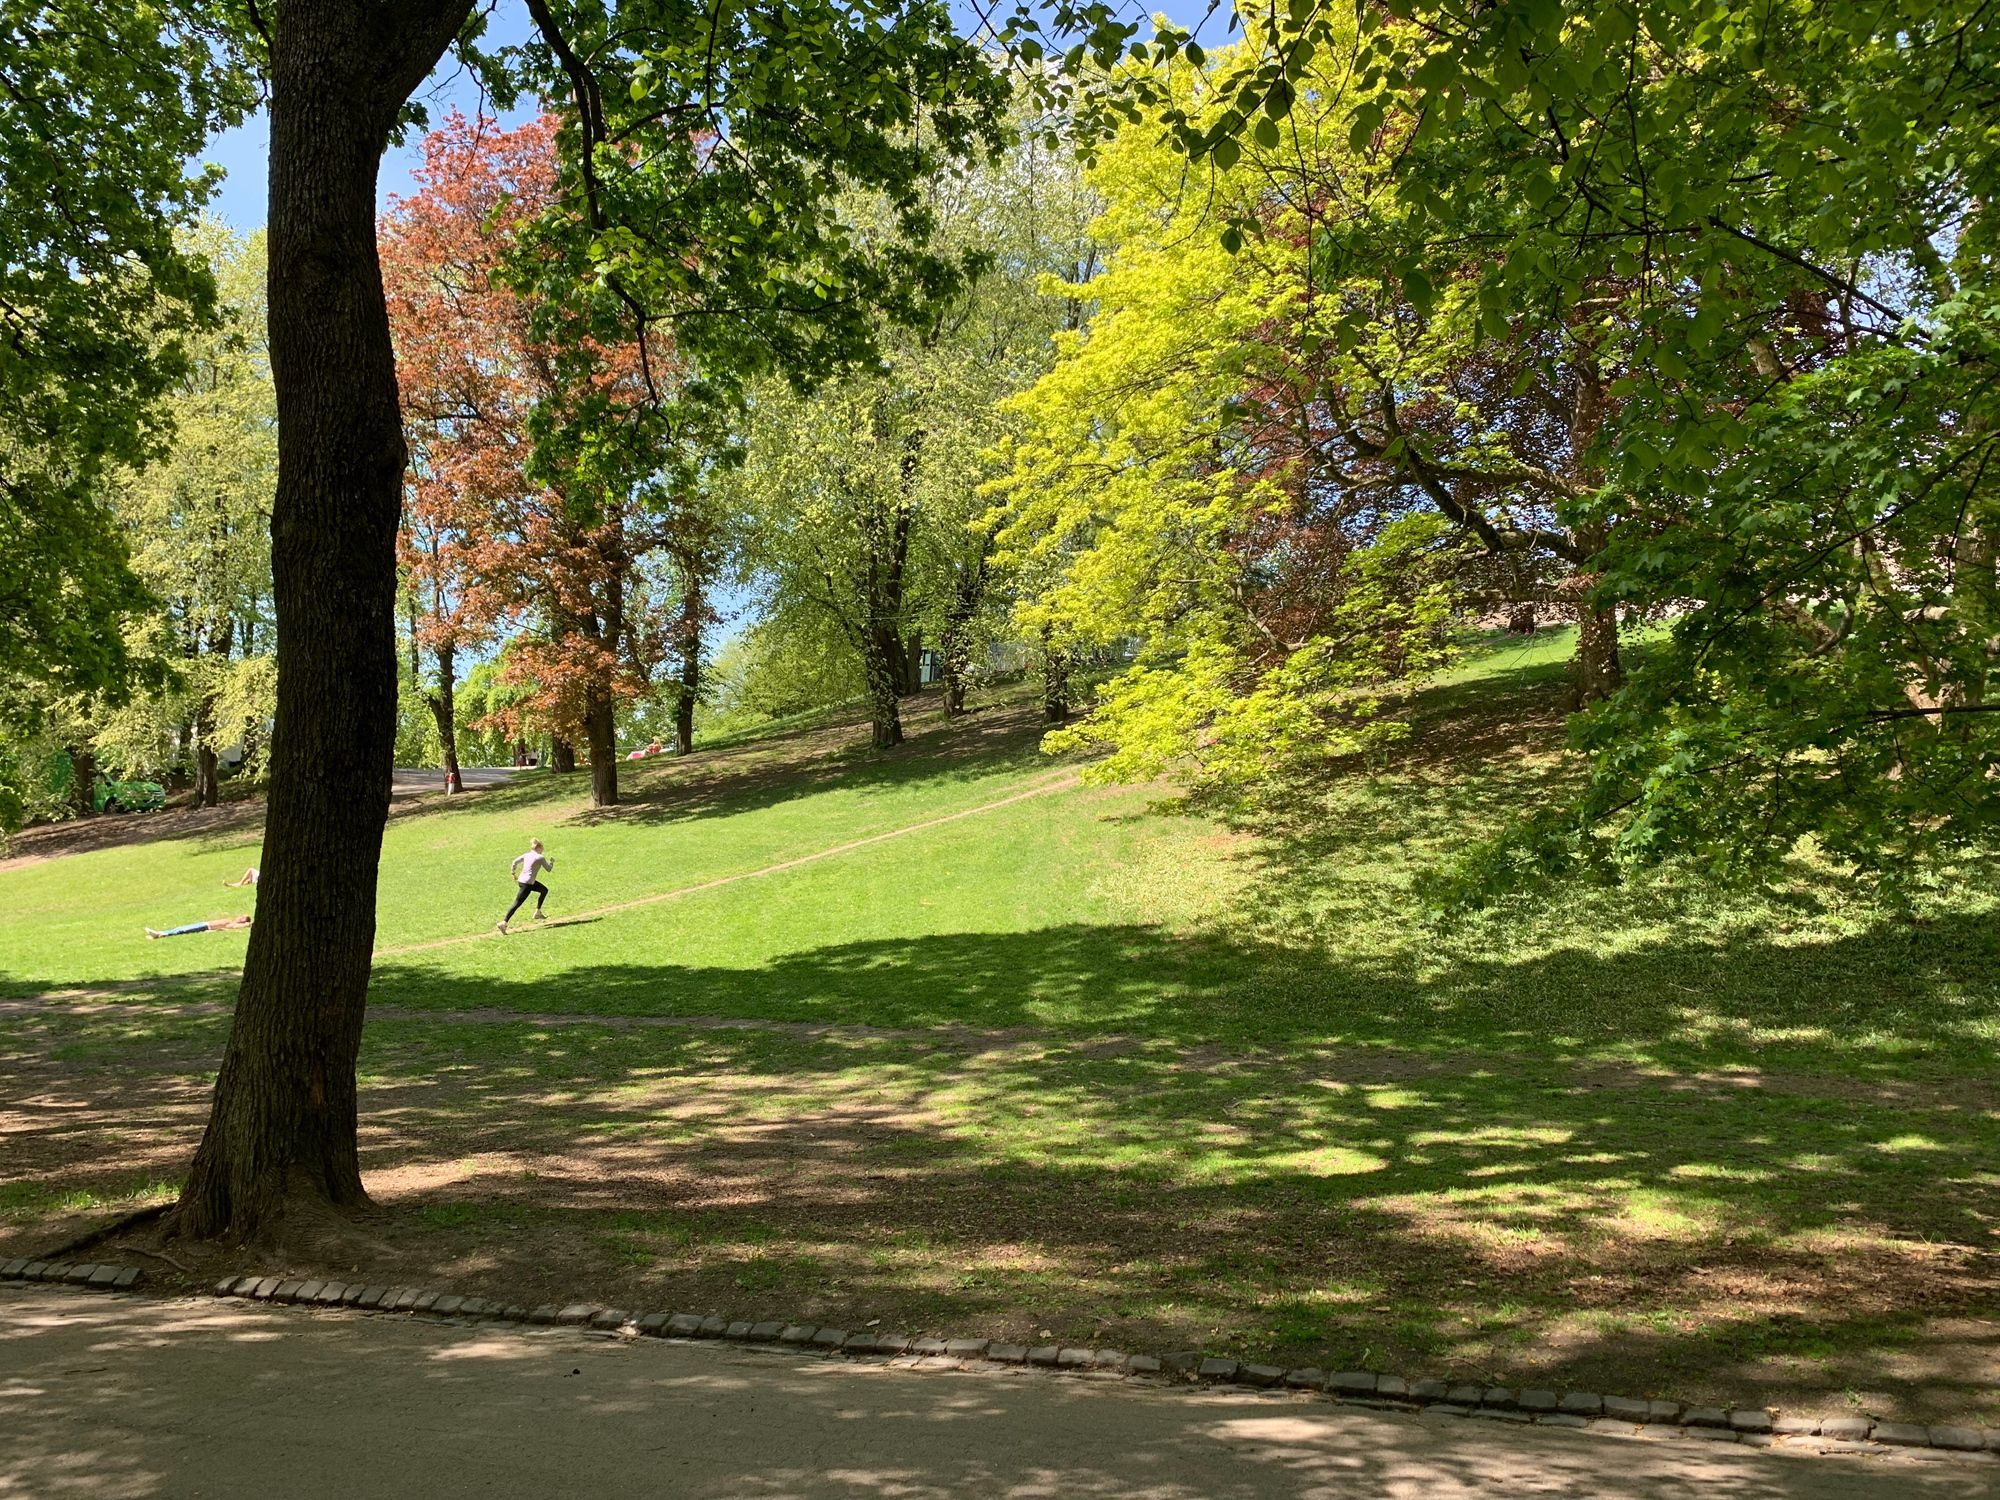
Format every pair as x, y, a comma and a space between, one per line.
526, 867
249, 878
221, 924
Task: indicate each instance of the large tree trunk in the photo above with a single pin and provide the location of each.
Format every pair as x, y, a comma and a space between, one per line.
444, 711
280, 1141
562, 755
884, 702
1595, 671
600, 732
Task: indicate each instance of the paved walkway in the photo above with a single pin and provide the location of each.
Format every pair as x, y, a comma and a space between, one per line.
125, 1397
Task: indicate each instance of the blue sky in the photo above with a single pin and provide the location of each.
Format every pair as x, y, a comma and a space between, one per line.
241, 201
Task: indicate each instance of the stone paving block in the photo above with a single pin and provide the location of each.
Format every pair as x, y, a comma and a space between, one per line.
797, 1333
1043, 1354
34, 1270
1142, 1364
1958, 1439
128, 1276
610, 1317
1109, 1359
514, 1313
56, 1270
1902, 1434
1446, 1409
1073, 1359
356, 1290
1351, 1383
1563, 1419
266, 1288
444, 1307
1795, 1424
1581, 1403
330, 1295
1704, 1416
1992, 1436
687, 1325
928, 1347
766, 1333
1501, 1414
713, 1327
967, 1348
1750, 1420
1464, 1395
1625, 1409
106, 1276
738, 1330
1500, 1397
1848, 1429
227, 1286
1182, 1361
1260, 1375
830, 1338
1662, 1431
1714, 1434
288, 1291
547, 1313
307, 1291
80, 1275
1306, 1378
891, 1342
577, 1313
1393, 1388
1663, 1411
652, 1323
407, 1299
1216, 1368
1008, 1354
1428, 1390
859, 1343
13, 1268
1537, 1401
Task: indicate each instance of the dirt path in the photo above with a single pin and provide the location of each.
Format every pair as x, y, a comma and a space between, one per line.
128, 1398
1042, 788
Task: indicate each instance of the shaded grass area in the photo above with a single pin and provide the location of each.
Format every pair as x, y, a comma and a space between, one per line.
1139, 1080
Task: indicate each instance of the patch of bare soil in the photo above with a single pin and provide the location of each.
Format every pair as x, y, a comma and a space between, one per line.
116, 830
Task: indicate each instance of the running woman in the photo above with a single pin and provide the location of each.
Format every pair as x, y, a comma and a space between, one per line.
526, 868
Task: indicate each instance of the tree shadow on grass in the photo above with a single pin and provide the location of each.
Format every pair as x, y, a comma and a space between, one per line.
1137, 1141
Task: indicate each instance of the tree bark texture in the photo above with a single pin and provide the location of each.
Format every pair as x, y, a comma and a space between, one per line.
600, 732
207, 767
444, 711
280, 1139
955, 645
562, 755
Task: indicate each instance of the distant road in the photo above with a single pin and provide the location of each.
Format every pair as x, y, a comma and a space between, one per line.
410, 780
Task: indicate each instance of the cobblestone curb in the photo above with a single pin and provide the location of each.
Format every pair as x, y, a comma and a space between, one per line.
101, 1278
1588, 1411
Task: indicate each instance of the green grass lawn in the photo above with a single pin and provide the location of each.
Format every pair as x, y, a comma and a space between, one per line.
1081, 1064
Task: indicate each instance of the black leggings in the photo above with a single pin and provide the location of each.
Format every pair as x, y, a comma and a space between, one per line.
541, 894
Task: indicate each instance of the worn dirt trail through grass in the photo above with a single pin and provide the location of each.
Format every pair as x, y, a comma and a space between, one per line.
1056, 784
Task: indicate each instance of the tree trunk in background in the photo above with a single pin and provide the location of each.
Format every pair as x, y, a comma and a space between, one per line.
955, 645
694, 608
1595, 671
82, 780
885, 709
280, 1144
600, 733
562, 755
1055, 680
207, 769
444, 711
910, 665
